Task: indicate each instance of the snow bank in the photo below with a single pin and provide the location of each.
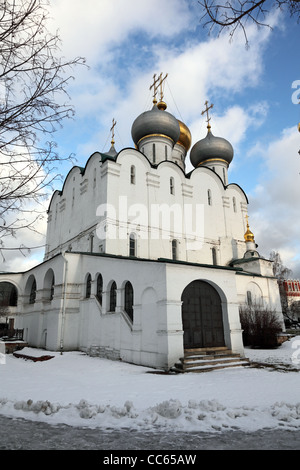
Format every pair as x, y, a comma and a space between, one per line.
83, 391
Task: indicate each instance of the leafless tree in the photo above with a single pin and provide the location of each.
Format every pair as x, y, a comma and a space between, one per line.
260, 326
33, 104
238, 14
279, 270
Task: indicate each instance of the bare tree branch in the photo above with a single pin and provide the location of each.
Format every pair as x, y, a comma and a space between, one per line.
33, 103
238, 14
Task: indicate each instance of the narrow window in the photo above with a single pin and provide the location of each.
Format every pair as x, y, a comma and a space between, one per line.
91, 242
224, 176
88, 287
174, 249
132, 245
154, 154
113, 297
166, 152
214, 256
234, 204
99, 288
249, 298
209, 199
172, 190
52, 288
129, 300
94, 180
32, 295
132, 174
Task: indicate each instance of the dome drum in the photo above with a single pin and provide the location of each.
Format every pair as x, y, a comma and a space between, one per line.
156, 148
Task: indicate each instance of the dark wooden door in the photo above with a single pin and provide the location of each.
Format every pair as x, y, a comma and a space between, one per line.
202, 316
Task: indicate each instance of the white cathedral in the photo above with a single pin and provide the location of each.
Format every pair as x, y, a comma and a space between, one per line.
144, 260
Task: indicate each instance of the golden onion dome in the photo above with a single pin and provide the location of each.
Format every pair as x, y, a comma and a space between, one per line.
249, 237
185, 138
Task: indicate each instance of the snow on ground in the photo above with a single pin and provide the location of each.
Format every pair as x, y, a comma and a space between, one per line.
79, 390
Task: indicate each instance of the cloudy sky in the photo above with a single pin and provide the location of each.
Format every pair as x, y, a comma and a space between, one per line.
254, 90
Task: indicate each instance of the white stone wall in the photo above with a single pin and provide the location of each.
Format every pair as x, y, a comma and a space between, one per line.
155, 337
100, 206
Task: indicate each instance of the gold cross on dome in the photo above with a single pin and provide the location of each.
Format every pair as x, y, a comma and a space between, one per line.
112, 129
207, 108
155, 87
157, 82
160, 84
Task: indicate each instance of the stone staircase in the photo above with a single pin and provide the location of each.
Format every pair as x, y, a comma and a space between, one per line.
208, 359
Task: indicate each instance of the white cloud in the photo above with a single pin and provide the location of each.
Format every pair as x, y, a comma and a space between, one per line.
274, 204
91, 28
20, 258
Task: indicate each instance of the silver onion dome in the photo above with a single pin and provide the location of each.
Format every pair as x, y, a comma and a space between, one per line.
157, 121
211, 148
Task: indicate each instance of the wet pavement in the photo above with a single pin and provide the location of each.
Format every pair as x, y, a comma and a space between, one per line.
20, 434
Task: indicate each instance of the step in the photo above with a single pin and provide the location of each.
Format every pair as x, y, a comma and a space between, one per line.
211, 362
204, 350
206, 359
210, 368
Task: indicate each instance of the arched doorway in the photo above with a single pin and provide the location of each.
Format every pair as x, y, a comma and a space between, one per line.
202, 316
8, 295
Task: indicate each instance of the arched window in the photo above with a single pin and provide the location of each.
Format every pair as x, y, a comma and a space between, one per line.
214, 256
209, 198
52, 287
8, 294
172, 188
249, 297
234, 204
32, 295
99, 288
132, 174
48, 287
113, 297
91, 242
174, 249
129, 299
132, 245
88, 286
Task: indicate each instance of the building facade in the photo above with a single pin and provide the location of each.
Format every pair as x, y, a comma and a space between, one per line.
143, 259
290, 298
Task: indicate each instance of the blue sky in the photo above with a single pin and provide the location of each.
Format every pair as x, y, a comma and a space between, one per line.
126, 42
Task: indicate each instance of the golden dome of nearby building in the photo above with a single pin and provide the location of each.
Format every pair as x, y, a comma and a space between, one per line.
249, 237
